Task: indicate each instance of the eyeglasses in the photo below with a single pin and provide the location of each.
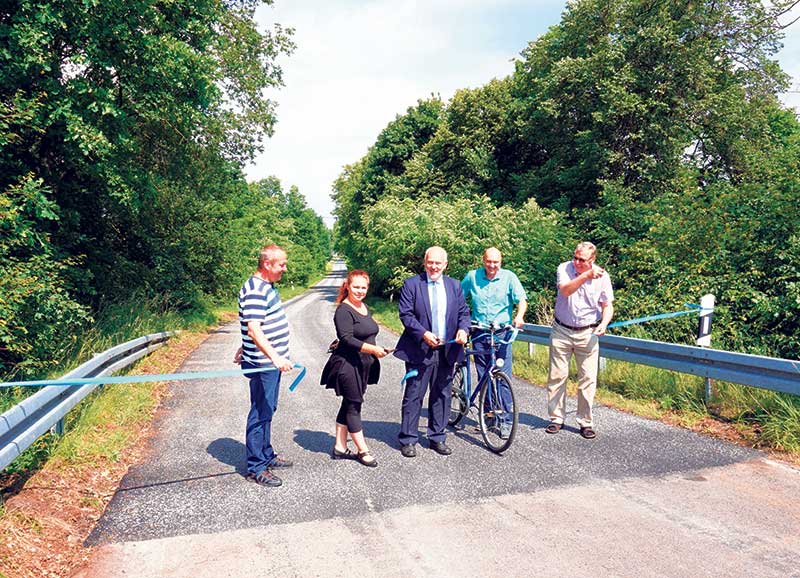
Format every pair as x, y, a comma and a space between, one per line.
582, 260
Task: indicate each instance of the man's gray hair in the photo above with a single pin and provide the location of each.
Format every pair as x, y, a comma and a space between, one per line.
435, 248
270, 254
586, 246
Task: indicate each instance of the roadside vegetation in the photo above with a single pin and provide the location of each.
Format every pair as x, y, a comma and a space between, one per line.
124, 131
654, 130
52, 495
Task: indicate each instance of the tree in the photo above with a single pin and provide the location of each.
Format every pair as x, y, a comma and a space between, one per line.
619, 90
364, 183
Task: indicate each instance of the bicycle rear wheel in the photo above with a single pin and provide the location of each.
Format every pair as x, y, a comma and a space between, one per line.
459, 404
497, 412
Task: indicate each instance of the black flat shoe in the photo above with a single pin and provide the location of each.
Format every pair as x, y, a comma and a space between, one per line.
361, 459
441, 448
345, 455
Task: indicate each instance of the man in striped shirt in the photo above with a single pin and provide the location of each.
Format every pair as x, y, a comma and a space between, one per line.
265, 344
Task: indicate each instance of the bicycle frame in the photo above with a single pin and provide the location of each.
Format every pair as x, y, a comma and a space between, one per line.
471, 353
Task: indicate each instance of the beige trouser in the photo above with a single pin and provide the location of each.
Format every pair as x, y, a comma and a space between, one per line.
563, 343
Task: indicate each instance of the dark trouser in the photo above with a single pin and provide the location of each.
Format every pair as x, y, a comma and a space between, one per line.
350, 415
439, 376
264, 387
504, 352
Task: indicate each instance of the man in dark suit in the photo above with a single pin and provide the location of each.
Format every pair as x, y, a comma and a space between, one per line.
436, 320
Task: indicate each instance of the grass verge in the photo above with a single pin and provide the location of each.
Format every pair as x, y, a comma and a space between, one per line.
55, 492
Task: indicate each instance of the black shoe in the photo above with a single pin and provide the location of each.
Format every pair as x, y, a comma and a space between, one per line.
265, 478
345, 455
441, 448
408, 450
280, 462
361, 457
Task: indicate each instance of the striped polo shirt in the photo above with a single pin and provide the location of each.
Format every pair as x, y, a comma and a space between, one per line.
259, 301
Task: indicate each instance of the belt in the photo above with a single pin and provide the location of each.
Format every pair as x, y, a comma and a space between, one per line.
576, 328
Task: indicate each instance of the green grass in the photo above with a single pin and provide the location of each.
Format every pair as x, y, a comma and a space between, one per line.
654, 393
385, 313
103, 424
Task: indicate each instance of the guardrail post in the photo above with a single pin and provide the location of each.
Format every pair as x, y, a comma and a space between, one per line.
531, 349
58, 428
704, 334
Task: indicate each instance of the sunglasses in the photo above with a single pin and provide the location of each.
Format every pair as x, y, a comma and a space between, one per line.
582, 260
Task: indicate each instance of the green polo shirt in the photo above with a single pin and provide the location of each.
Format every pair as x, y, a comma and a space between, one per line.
492, 299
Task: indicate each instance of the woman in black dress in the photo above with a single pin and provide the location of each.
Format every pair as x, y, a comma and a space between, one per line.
353, 365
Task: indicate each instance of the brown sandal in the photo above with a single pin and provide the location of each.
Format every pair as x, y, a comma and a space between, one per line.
553, 428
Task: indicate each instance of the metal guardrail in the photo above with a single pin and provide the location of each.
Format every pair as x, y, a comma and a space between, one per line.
24, 423
754, 370
21, 425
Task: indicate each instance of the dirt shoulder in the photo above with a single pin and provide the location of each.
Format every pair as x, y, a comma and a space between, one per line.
46, 518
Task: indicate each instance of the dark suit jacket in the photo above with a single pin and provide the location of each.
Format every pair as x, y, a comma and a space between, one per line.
415, 314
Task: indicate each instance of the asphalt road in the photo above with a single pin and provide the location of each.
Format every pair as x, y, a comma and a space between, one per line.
642, 499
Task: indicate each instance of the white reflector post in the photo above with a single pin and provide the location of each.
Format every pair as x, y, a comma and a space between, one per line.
704, 324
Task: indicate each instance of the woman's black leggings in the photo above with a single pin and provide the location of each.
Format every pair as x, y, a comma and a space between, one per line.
350, 415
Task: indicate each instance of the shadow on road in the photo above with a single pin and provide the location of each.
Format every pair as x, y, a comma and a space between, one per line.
328, 293
314, 441
533, 421
229, 451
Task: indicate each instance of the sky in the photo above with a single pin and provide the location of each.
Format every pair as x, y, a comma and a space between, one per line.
360, 63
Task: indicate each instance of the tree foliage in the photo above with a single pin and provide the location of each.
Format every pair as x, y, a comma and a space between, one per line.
650, 128
124, 127
399, 230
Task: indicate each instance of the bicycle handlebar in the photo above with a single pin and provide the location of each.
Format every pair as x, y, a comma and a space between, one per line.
493, 329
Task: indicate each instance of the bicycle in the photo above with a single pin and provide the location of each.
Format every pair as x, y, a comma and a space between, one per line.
496, 406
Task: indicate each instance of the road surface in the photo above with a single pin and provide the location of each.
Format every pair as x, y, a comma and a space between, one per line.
643, 499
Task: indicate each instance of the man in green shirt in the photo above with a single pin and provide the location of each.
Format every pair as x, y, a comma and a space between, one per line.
492, 293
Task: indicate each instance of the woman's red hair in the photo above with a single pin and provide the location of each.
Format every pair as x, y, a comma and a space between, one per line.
344, 290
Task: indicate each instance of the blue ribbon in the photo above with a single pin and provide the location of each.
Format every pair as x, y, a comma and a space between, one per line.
147, 378
693, 309
414, 372
409, 375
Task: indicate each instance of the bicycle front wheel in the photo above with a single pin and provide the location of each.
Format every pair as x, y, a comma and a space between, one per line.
498, 413
459, 405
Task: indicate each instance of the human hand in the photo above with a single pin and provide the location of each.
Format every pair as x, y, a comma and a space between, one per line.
518, 322
282, 363
431, 339
237, 357
461, 336
596, 272
600, 330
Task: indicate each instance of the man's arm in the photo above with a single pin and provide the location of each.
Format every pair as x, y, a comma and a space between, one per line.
261, 341
519, 318
608, 313
569, 287
463, 316
407, 308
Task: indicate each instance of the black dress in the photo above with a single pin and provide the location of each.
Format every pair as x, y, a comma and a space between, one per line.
348, 370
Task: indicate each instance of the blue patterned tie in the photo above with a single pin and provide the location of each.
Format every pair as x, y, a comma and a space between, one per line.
435, 309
